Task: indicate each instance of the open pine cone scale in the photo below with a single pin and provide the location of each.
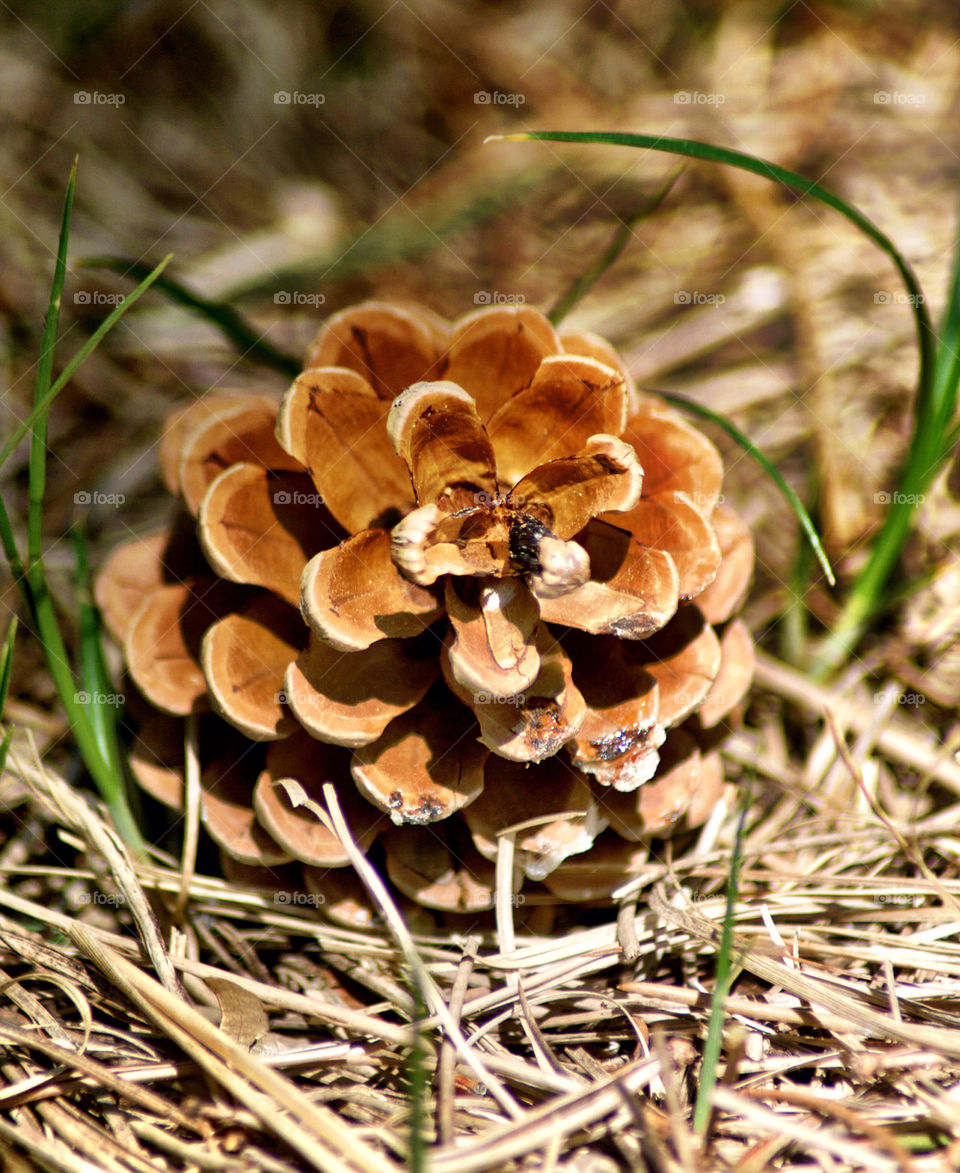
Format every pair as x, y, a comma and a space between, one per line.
464, 573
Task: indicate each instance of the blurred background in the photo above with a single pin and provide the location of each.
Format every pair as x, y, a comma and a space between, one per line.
297, 157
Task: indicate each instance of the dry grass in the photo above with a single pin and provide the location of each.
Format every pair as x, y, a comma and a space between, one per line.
580, 1048
842, 1036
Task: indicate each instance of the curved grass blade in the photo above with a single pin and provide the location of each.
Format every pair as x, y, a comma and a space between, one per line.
947, 374
230, 323
937, 385
934, 436
752, 450
693, 149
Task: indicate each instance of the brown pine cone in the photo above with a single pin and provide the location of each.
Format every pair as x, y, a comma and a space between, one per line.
463, 572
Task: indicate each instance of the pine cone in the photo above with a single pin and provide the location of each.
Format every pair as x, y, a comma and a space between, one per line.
463, 572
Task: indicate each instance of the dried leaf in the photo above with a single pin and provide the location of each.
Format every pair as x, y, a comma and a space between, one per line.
242, 1015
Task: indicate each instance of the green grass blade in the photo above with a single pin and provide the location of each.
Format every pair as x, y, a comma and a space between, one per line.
102, 702
943, 397
724, 980
10, 551
6, 672
58, 662
108, 781
585, 282
692, 149
751, 449
232, 324
793, 630
5, 749
931, 443
937, 384
33, 588
6, 661
38, 443
101, 762
32, 579
78, 359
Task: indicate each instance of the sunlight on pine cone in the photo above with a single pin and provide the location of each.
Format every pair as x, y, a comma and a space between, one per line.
465, 573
